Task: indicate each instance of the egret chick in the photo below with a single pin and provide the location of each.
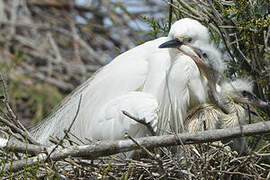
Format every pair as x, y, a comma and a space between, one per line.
230, 96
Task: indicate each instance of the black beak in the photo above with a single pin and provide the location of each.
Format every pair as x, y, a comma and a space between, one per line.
262, 104
172, 43
250, 98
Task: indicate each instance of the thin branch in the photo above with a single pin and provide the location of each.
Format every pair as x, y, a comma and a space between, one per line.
6, 98
153, 156
17, 126
69, 128
141, 121
144, 149
62, 5
18, 130
170, 15
26, 148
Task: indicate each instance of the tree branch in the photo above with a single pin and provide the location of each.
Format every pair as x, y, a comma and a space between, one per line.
106, 148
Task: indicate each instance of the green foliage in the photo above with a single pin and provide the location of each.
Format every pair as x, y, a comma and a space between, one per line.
251, 20
34, 100
159, 27
30, 100
8, 66
107, 169
129, 171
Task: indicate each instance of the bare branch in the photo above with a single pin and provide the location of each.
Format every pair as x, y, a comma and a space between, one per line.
20, 131
106, 148
141, 121
69, 128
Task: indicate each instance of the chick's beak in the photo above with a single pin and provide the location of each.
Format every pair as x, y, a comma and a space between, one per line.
254, 100
259, 103
199, 57
264, 104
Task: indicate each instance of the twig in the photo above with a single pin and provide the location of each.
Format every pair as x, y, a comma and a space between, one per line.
6, 99
62, 5
13, 175
55, 48
17, 146
66, 132
200, 15
18, 127
153, 156
18, 130
170, 15
223, 39
144, 149
14, 9
266, 38
184, 12
235, 173
77, 138
141, 121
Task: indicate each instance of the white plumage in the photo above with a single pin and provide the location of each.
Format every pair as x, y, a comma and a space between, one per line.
208, 116
165, 78
130, 71
230, 97
111, 123
214, 118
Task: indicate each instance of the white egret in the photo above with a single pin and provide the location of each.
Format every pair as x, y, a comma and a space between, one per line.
171, 77
233, 95
230, 96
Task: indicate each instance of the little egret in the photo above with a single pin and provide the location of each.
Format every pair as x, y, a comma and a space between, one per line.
158, 68
230, 96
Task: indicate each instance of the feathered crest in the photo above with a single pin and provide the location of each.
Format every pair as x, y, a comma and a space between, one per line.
215, 57
238, 85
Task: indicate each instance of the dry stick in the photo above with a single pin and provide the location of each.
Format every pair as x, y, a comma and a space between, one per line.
13, 175
190, 9
106, 148
184, 12
141, 121
18, 127
145, 150
18, 130
62, 5
223, 38
153, 156
69, 128
233, 173
266, 38
77, 138
25, 148
170, 15
6, 98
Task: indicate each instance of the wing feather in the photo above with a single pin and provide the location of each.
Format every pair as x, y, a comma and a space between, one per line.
127, 72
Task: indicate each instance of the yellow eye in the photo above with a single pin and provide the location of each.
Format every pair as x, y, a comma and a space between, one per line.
180, 38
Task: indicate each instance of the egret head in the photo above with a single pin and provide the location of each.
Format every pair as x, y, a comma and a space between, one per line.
209, 60
186, 31
211, 64
240, 90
